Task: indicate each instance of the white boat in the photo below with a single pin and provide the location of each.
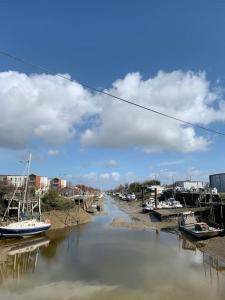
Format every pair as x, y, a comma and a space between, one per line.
24, 228
169, 204
176, 204
187, 222
28, 227
164, 205
132, 196
149, 205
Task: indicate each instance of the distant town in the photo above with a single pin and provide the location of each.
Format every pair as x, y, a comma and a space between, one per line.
42, 184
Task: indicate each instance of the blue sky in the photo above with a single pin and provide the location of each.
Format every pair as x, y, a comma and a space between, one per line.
168, 55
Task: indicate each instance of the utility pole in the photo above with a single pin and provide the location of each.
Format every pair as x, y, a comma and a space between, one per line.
156, 202
142, 194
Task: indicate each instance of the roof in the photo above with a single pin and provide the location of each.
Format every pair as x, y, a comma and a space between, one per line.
13, 175
216, 174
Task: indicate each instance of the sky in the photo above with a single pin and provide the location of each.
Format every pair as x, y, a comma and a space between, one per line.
165, 55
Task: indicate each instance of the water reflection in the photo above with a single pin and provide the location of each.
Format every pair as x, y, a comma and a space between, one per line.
96, 261
186, 243
19, 258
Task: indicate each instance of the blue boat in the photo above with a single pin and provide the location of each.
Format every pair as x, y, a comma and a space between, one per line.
24, 228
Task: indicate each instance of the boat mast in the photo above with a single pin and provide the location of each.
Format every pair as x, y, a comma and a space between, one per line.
26, 184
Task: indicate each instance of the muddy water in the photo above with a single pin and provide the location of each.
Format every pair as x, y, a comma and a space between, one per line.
96, 261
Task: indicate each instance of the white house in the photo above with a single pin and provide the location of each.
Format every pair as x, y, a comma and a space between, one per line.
189, 185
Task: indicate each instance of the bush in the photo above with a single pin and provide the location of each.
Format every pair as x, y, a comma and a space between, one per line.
52, 200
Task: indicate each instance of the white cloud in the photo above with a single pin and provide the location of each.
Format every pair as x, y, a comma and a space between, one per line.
194, 173
112, 163
164, 175
184, 95
99, 180
105, 176
51, 109
43, 107
171, 163
91, 176
53, 152
115, 176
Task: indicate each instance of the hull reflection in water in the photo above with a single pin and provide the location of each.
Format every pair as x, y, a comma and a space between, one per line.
210, 263
20, 258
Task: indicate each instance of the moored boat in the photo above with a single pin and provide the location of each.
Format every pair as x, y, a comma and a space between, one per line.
25, 227
188, 223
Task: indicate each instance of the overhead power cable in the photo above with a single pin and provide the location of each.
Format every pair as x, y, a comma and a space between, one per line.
43, 69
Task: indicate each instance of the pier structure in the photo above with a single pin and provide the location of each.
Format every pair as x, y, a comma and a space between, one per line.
208, 205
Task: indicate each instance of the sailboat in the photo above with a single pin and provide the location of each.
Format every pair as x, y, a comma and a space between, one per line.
24, 227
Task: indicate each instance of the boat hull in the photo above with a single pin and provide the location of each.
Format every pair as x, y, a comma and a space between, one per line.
201, 234
22, 232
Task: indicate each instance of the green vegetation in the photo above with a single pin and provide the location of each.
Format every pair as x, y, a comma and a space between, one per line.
137, 187
151, 182
4, 191
52, 200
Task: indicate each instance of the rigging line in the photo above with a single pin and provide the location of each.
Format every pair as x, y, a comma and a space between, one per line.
16, 58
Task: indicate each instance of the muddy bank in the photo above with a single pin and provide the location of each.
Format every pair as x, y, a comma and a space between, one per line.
75, 216
214, 246
61, 219
139, 219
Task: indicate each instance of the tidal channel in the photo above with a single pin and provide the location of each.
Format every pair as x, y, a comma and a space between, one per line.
98, 261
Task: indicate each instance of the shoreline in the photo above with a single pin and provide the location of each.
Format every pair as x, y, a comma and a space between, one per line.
60, 220
63, 219
214, 246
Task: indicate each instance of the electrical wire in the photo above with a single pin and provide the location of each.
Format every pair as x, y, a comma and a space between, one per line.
43, 69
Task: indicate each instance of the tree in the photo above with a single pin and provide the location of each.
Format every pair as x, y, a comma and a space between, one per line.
151, 182
135, 187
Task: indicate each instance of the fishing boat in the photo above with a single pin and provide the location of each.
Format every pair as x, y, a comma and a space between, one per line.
26, 224
188, 223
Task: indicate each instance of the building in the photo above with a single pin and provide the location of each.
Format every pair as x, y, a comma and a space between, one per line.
57, 183
217, 181
38, 182
13, 180
159, 189
188, 185
70, 191
35, 181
